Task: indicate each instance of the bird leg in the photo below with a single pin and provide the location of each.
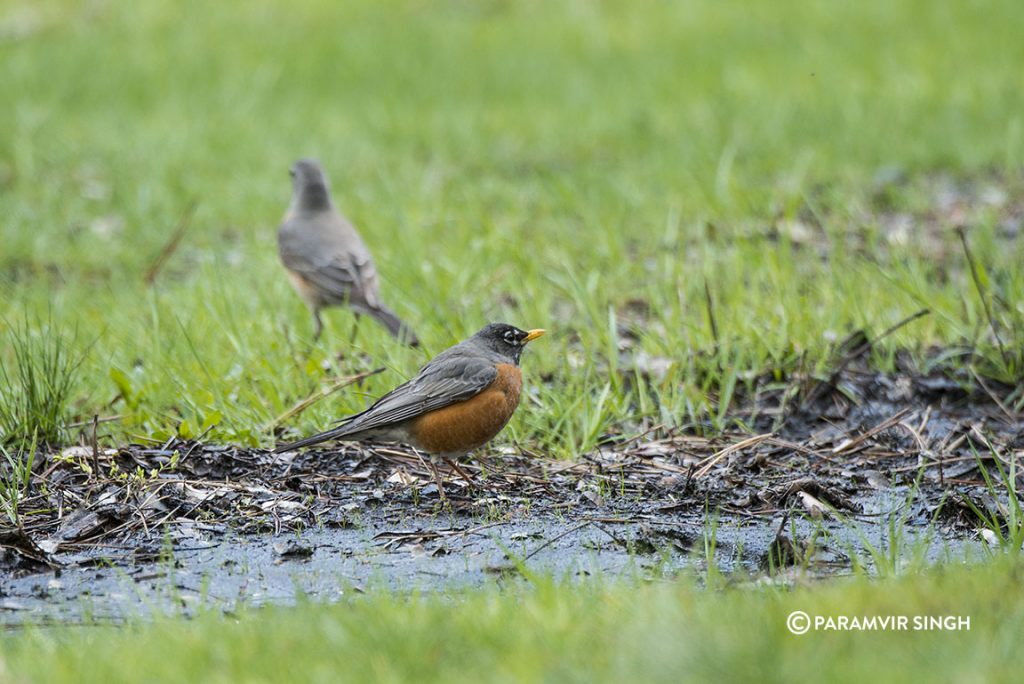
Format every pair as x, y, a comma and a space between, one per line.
438, 481
318, 325
437, 475
355, 329
462, 473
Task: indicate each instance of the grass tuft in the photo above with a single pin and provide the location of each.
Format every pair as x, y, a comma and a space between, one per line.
15, 478
1002, 527
37, 379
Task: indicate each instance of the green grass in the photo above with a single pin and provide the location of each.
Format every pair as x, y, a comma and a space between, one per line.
544, 163
659, 632
570, 165
36, 385
15, 480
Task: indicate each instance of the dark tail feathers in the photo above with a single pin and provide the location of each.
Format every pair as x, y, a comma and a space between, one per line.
314, 439
398, 329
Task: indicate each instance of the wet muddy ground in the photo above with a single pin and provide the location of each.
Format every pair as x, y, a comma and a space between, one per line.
822, 476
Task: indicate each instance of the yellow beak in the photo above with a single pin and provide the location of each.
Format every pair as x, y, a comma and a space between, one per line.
531, 335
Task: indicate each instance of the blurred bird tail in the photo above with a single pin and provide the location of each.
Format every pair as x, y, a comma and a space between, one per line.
395, 325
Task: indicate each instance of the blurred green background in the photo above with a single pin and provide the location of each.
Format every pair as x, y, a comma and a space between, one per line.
580, 166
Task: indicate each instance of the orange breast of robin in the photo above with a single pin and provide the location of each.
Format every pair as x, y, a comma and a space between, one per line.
468, 424
303, 287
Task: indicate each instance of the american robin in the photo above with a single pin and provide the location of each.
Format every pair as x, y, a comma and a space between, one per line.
327, 261
457, 402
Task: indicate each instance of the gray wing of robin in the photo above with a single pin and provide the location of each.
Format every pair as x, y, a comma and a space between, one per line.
367, 274
442, 382
329, 265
